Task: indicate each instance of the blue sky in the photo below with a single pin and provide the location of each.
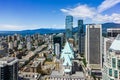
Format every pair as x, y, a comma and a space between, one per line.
34, 14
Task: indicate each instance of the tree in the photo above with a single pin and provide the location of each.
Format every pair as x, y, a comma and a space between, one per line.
84, 61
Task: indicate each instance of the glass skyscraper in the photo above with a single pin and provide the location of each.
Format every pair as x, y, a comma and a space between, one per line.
69, 26
81, 37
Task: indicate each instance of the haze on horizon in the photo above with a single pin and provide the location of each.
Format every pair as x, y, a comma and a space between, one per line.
34, 14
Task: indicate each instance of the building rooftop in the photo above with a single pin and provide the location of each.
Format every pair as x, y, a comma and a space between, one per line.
95, 66
59, 35
67, 54
116, 44
35, 63
30, 54
30, 75
7, 61
109, 29
60, 75
67, 60
67, 70
67, 50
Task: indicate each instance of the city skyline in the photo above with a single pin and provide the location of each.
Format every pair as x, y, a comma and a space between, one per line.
34, 14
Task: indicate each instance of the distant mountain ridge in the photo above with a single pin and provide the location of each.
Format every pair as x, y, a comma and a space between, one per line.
109, 25
49, 31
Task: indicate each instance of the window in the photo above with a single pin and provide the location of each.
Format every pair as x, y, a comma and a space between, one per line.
110, 72
67, 67
113, 62
118, 64
115, 73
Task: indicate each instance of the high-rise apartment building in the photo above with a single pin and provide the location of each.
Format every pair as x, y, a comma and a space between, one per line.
93, 48
8, 68
81, 37
69, 26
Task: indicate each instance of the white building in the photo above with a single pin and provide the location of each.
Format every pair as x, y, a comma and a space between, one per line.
57, 48
29, 46
106, 45
15, 43
10, 45
111, 67
20, 46
67, 55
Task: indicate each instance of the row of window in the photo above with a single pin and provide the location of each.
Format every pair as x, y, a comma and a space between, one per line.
114, 63
115, 73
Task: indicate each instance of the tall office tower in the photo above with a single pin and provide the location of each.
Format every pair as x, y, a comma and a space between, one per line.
111, 67
81, 37
69, 26
8, 68
93, 48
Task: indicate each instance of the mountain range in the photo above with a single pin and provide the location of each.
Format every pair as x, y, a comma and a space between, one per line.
49, 31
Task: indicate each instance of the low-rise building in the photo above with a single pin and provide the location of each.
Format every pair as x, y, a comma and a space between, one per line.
35, 67
29, 76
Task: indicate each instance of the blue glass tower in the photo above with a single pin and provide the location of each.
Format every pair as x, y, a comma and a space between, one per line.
69, 26
81, 37
80, 27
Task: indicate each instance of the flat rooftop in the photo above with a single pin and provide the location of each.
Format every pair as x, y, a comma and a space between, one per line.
7, 61
95, 66
29, 75
35, 63
59, 73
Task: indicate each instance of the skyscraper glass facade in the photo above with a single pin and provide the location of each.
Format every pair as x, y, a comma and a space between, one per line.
81, 37
69, 26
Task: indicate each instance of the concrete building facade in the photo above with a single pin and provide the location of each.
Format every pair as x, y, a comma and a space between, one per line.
93, 48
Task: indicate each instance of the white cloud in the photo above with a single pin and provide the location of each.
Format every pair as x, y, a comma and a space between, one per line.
107, 18
116, 17
7, 27
4, 27
106, 4
10, 27
81, 11
95, 14
102, 18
